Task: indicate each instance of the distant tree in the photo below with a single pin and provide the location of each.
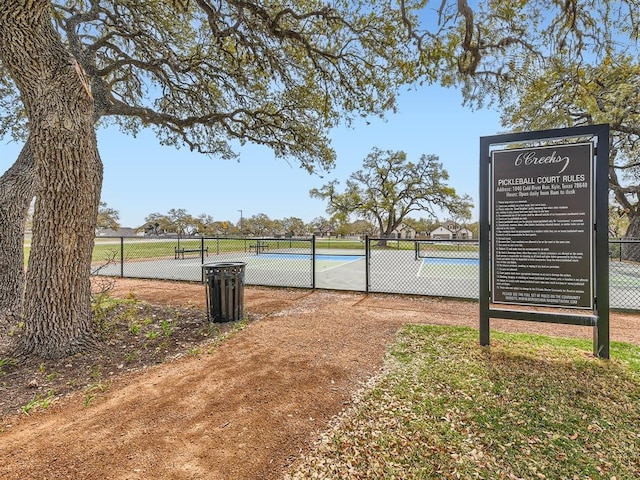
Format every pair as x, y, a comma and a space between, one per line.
389, 188
176, 220
294, 226
107, 217
363, 228
156, 224
259, 225
224, 227
182, 222
342, 227
277, 227
474, 227
206, 225
322, 225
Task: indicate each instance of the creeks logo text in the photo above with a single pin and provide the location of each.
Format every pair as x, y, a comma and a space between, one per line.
530, 158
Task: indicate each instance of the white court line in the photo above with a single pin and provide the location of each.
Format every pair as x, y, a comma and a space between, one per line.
339, 264
419, 274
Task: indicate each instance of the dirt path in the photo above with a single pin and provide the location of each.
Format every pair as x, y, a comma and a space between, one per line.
247, 409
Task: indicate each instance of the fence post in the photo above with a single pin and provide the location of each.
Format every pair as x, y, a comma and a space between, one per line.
122, 257
367, 264
313, 261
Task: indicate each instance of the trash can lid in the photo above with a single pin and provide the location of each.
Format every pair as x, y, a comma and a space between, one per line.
217, 264
223, 264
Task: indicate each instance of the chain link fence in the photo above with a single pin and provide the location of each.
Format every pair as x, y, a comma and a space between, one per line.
173, 258
441, 268
624, 273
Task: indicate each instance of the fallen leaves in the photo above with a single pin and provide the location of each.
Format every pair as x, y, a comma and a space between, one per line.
450, 410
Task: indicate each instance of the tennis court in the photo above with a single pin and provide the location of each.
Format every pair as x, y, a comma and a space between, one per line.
333, 270
456, 267
441, 276
624, 285
432, 268
287, 267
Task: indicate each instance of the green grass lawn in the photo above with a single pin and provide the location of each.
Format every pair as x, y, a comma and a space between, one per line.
528, 407
144, 247
134, 248
165, 248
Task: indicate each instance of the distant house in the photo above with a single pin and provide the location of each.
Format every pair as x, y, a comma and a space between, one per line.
403, 231
464, 234
442, 233
329, 233
451, 230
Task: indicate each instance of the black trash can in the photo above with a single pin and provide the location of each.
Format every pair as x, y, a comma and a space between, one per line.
225, 290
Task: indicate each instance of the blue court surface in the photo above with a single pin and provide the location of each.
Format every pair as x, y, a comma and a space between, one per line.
305, 256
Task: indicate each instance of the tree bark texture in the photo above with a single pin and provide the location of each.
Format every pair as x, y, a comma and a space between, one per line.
16, 192
57, 304
631, 251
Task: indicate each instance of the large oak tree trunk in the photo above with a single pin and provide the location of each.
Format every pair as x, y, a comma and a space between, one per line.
631, 251
57, 305
16, 192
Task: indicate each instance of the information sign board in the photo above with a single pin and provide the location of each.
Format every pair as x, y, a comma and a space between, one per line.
542, 226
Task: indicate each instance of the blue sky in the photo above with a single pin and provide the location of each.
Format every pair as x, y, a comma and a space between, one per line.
142, 177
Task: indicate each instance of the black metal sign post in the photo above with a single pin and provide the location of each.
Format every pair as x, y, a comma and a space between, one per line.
543, 228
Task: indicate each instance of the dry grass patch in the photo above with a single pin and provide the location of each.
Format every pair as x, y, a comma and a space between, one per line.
530, 407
